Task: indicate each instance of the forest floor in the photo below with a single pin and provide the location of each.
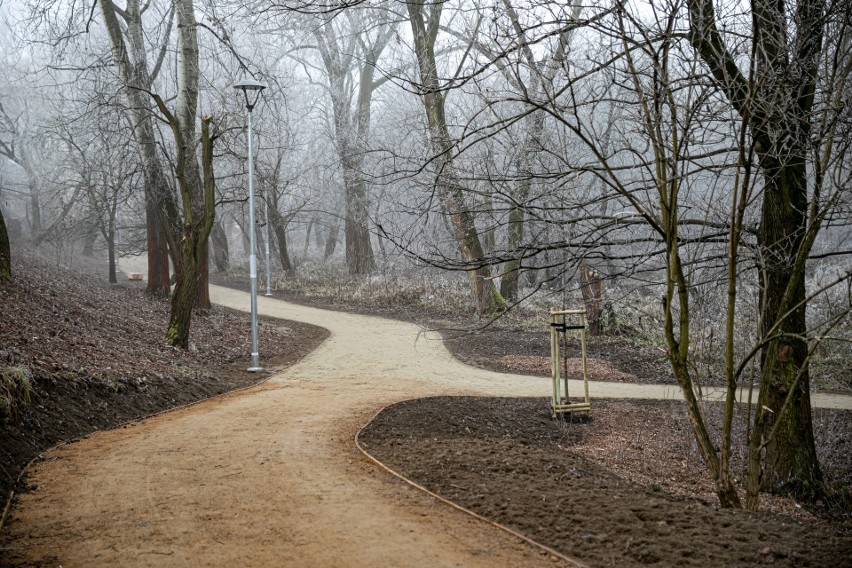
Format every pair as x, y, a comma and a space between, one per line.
624, 487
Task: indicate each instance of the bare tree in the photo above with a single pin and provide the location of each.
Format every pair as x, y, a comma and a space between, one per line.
777, 99
349, 57
425, 20
130, 56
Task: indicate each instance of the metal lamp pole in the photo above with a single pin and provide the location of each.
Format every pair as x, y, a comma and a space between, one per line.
249, 86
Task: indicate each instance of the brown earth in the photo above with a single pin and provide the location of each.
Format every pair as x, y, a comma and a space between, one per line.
208, 497
508, 460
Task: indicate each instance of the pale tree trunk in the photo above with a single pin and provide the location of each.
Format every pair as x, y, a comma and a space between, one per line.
352, 131
308, 237
161, 213
331, 239
89, 241
486, 297
26, 162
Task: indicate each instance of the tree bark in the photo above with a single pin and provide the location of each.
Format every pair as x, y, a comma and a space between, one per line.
514, 240
778, 106
279, 227
308, 237
352, 131
202, 295
198, 196
592, 288
359, 249
197, 228
89, 241
219, 242
541, 75
161, 212
331, 240
486, 297
5, 252
111, 276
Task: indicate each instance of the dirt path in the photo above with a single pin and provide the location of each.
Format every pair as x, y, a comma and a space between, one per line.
271, 476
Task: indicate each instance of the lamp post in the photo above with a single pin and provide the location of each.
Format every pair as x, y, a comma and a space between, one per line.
251, 91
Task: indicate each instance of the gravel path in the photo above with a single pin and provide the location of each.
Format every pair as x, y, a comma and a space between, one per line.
270, 476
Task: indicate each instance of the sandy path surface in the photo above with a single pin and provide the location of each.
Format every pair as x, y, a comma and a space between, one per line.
270, 476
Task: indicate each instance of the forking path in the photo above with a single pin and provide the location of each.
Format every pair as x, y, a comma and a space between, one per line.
270, 476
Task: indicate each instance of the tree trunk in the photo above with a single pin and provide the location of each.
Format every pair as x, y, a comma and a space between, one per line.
161, 212
111, 253
202, 295
159, 284
198, 197
308, 237
486, 297
35, 209
331, 240
777, 104
186, 291
542, 73
5, 252
191, 288
591, 285
514, 238
725, 491
791, 461
359, 250
279, 227
352, 128
219, 242
89, 241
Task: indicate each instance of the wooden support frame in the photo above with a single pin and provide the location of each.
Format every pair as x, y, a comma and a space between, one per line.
561, 321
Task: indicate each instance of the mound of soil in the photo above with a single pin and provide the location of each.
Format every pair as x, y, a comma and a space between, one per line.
96, 357
509, 461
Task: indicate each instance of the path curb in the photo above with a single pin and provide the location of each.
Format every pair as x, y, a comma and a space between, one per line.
528, 540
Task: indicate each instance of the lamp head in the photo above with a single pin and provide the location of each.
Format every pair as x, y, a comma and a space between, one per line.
251, 91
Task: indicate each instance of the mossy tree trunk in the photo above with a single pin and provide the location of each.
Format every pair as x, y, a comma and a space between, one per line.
197, 195
199, 218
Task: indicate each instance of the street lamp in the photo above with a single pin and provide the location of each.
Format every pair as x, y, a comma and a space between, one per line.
251, 91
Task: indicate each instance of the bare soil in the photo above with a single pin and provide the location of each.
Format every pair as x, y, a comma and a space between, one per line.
508, 460
624, 488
